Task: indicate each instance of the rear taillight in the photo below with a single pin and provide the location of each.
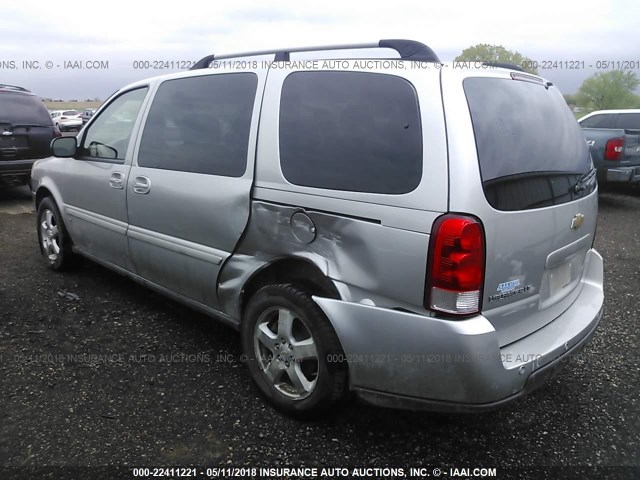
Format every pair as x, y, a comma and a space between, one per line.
614, 150
456, 265
63, 118
56, 132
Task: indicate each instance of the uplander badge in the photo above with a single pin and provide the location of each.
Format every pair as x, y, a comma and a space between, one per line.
508, 286
509, 289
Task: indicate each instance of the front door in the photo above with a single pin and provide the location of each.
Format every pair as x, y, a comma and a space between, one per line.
93, 183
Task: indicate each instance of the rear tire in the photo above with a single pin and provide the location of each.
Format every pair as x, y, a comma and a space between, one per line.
293, 354
55, 243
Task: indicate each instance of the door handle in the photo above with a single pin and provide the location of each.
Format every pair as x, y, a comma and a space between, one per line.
115, 180
141, 185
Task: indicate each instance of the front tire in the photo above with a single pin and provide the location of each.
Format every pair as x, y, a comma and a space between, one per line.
55, 243
293, 354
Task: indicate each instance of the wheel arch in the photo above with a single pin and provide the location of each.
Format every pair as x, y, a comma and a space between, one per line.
42, 193
297, 271
46, 189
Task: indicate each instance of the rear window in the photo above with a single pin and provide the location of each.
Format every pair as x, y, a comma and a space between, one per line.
628, 121
530, 148
350, 131
70, 112
603, 120
20, 109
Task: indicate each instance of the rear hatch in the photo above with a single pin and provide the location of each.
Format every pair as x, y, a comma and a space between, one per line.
531, 184
26, 129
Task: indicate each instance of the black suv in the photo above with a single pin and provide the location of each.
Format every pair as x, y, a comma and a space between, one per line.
26, 131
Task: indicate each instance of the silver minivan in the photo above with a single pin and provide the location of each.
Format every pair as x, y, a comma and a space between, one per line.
414, 233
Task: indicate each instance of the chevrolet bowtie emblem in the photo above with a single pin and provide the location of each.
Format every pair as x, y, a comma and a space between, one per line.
577, 221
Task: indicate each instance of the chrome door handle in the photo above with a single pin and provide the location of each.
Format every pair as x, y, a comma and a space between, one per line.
141, 185
115, 180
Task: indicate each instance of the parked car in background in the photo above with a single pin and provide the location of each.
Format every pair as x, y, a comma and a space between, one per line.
614, 139
401, 232
66, 120
26, 130
87, 114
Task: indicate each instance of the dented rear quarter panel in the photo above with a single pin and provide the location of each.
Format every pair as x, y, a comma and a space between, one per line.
364, 259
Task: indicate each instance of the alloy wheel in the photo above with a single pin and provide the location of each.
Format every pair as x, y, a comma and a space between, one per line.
286, 352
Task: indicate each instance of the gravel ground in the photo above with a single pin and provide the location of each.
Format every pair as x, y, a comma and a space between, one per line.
166, 387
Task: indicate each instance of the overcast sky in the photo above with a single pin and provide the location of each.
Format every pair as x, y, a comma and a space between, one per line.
122, 32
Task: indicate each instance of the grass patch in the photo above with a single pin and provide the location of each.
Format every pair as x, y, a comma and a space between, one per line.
79, 106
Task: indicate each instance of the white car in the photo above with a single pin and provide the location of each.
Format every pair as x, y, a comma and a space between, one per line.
66, 120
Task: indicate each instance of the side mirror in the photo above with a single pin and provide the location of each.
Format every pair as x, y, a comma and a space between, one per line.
64, 147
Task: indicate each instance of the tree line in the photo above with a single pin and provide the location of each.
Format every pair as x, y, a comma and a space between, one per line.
601, 91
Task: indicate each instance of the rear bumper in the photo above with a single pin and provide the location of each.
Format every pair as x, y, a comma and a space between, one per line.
405, 360
15, 172
64, 127
624, 175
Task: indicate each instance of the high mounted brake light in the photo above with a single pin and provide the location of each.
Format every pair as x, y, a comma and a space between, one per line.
456, 265
527, 78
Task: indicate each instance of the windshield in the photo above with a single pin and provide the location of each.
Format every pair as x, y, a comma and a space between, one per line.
20, 109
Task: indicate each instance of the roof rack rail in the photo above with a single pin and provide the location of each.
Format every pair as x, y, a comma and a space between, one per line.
510, 66
408, 50
14, 87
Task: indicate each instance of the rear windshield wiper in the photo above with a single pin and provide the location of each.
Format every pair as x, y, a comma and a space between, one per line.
580, 185
525, 176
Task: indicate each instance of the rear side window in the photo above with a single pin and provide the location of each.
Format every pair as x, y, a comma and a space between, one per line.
603, 120
200, 125
628, 121
20, 109
530, 148
350, 131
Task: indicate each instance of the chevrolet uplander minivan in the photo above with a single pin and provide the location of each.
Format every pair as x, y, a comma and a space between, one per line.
417, 234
